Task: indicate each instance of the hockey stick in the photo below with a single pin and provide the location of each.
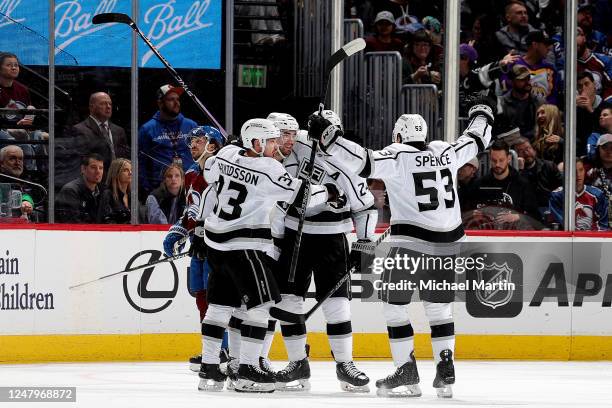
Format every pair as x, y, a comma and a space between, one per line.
121, 18
337, 57
169, 259
297, 318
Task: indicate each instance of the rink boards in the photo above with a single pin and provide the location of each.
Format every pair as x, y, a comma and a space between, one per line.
559, 310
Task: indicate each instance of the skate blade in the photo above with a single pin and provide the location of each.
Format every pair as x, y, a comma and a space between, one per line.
194, 367
231, 384
243, 385
294, 386
445, 391
344, 386
403, 391
210, 385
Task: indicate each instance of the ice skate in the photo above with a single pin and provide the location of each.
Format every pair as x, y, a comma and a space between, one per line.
211, 378
445, 375
253, 379
195, 362
351, 379
265, 365
232, 372
404, 382
294, 377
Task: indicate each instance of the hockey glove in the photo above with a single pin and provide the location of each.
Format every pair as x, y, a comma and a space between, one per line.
482, 106
335, 196
324, 131
175, 240
362, 255
198, 246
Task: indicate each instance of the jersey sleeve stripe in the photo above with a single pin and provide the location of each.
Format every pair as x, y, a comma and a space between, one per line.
349, 180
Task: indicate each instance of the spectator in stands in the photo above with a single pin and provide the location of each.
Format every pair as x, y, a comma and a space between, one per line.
518, 107
383, 39
79, 200
503, 199
11, 165
544, 81
600, 175
599, 65
588, 110
483, 38
115, 202
361, 9
513, 35
543, 174
166, 203
162, 139
549, 134
97, 134
478, 81
421, 66
466, 178
596, 40
605, 123
591, 204
15, 95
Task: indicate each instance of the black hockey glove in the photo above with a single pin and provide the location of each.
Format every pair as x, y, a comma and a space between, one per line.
482, 106
362, 256
198, 247
323, 130
335, 196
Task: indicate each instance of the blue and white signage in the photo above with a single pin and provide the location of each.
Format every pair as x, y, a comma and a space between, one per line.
187, 32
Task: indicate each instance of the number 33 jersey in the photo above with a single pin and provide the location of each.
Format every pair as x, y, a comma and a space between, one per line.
246, 190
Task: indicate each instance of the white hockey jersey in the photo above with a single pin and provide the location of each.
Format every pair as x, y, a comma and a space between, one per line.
421, 185
325, 218
246, 189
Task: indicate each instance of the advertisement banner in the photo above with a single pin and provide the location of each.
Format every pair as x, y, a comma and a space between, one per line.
188, 33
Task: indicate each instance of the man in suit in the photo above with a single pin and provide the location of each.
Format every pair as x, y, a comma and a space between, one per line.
97, 134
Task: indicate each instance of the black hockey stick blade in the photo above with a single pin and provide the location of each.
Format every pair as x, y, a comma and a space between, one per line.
345, 51
106, 18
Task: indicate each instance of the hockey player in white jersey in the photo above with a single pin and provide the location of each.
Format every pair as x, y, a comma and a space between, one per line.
324, 255
420, 182
248, 181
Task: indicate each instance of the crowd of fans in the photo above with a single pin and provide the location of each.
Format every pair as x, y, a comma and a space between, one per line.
513, 53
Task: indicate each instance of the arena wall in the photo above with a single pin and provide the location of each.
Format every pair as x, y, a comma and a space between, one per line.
151, 316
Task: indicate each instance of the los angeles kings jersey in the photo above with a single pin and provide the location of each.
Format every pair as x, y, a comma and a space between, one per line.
326, 218
421, 185
246, 190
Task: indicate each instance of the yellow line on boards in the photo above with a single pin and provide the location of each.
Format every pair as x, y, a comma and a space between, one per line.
180, 346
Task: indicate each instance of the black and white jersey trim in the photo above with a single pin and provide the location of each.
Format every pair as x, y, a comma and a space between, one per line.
242, 233
423, 234
325, 216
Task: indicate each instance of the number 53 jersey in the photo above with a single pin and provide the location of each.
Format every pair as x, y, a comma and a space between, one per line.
421, 184
246, 190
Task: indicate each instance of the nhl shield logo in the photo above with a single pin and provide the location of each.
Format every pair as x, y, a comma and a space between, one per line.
496, 290
492, 287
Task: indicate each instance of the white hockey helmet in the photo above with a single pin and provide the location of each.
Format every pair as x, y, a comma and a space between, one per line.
332, 117
410, 128
283, 121
260, 129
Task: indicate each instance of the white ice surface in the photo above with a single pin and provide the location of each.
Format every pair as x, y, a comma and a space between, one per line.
479, 383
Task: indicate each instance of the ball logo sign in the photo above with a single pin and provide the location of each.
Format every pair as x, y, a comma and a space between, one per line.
147, 300
497, 289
